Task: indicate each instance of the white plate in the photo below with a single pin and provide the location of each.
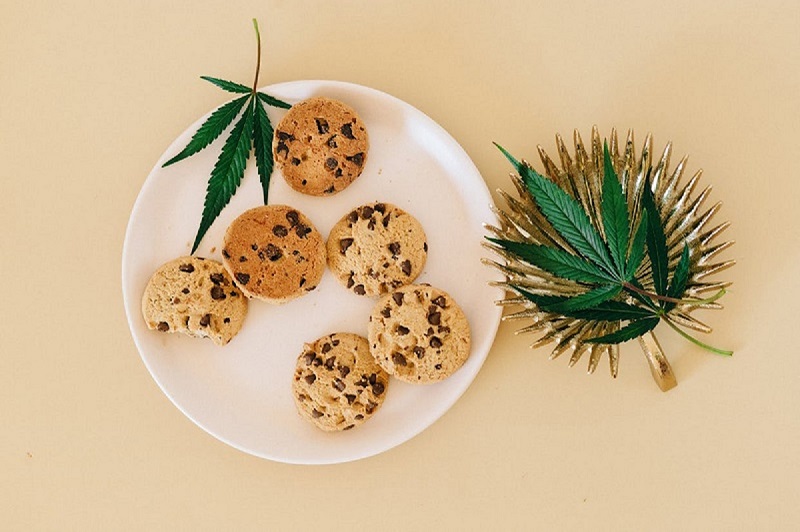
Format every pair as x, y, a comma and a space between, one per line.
241, 393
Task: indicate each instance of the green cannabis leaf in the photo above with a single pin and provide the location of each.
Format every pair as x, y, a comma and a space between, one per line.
253, 130
607, 265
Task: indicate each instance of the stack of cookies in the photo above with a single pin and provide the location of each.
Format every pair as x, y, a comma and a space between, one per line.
274, 253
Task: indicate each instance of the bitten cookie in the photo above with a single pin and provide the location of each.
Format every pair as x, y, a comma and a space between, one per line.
337, 384
194, 296
320, 146
274, 253
419, 334
376, 248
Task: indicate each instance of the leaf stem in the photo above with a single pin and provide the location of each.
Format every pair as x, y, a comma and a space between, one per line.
258, 60
696, 341
633, 288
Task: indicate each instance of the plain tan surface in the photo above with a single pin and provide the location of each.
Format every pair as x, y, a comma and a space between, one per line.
93, 92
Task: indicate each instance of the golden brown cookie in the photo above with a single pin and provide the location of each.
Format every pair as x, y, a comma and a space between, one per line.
274, 253
419, 334
337, 384
194, 296
376, 248
320, 146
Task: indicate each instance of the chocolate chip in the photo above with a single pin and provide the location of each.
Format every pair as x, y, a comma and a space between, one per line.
350, 281
398, 298
185, 290
339, 384
225, 254
359, 416
331, 163
443, 329
386, 312
350, 398
371, 224
163, 326
293, 217
394, 248
429, 332
438, 366
335, 342
425, 246
439, 301
386, 221
262, 256
419, 351
344, 244
338, 172
373, 378
217, 293
344, 371
226, 320
205, 320
330, 362
302, 281
331, 142
243, 278
366, 212
302, 230
234, 293
282, 135
398, 359
316, 413
348, 427
308, 358
325, 348
347, 131
176, 300
310, 378
436, 342
304, 182
352, 217
363, 382
280, 231
358, 158
371, 407
406, 267
216, 278
378, 388
317, 361
359, 289
273, 252
380, 207
242, 259
434, 317
188, 268
254, 247
402, 331
322, 125
295, 161
282, 147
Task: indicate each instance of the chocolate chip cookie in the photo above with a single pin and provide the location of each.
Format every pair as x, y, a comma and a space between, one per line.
376, 248
419, 334
274, 253
194, 296
337, 384
320, 146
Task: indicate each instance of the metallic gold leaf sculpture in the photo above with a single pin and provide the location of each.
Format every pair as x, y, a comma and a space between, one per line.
685, 219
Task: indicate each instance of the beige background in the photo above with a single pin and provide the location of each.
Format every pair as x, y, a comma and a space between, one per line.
93, 92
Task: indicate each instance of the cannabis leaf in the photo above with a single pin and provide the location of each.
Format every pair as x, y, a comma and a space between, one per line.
615, 213
556, 261
253, 131
606, 268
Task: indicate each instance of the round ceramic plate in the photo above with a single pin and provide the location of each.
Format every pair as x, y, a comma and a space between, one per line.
241, 393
